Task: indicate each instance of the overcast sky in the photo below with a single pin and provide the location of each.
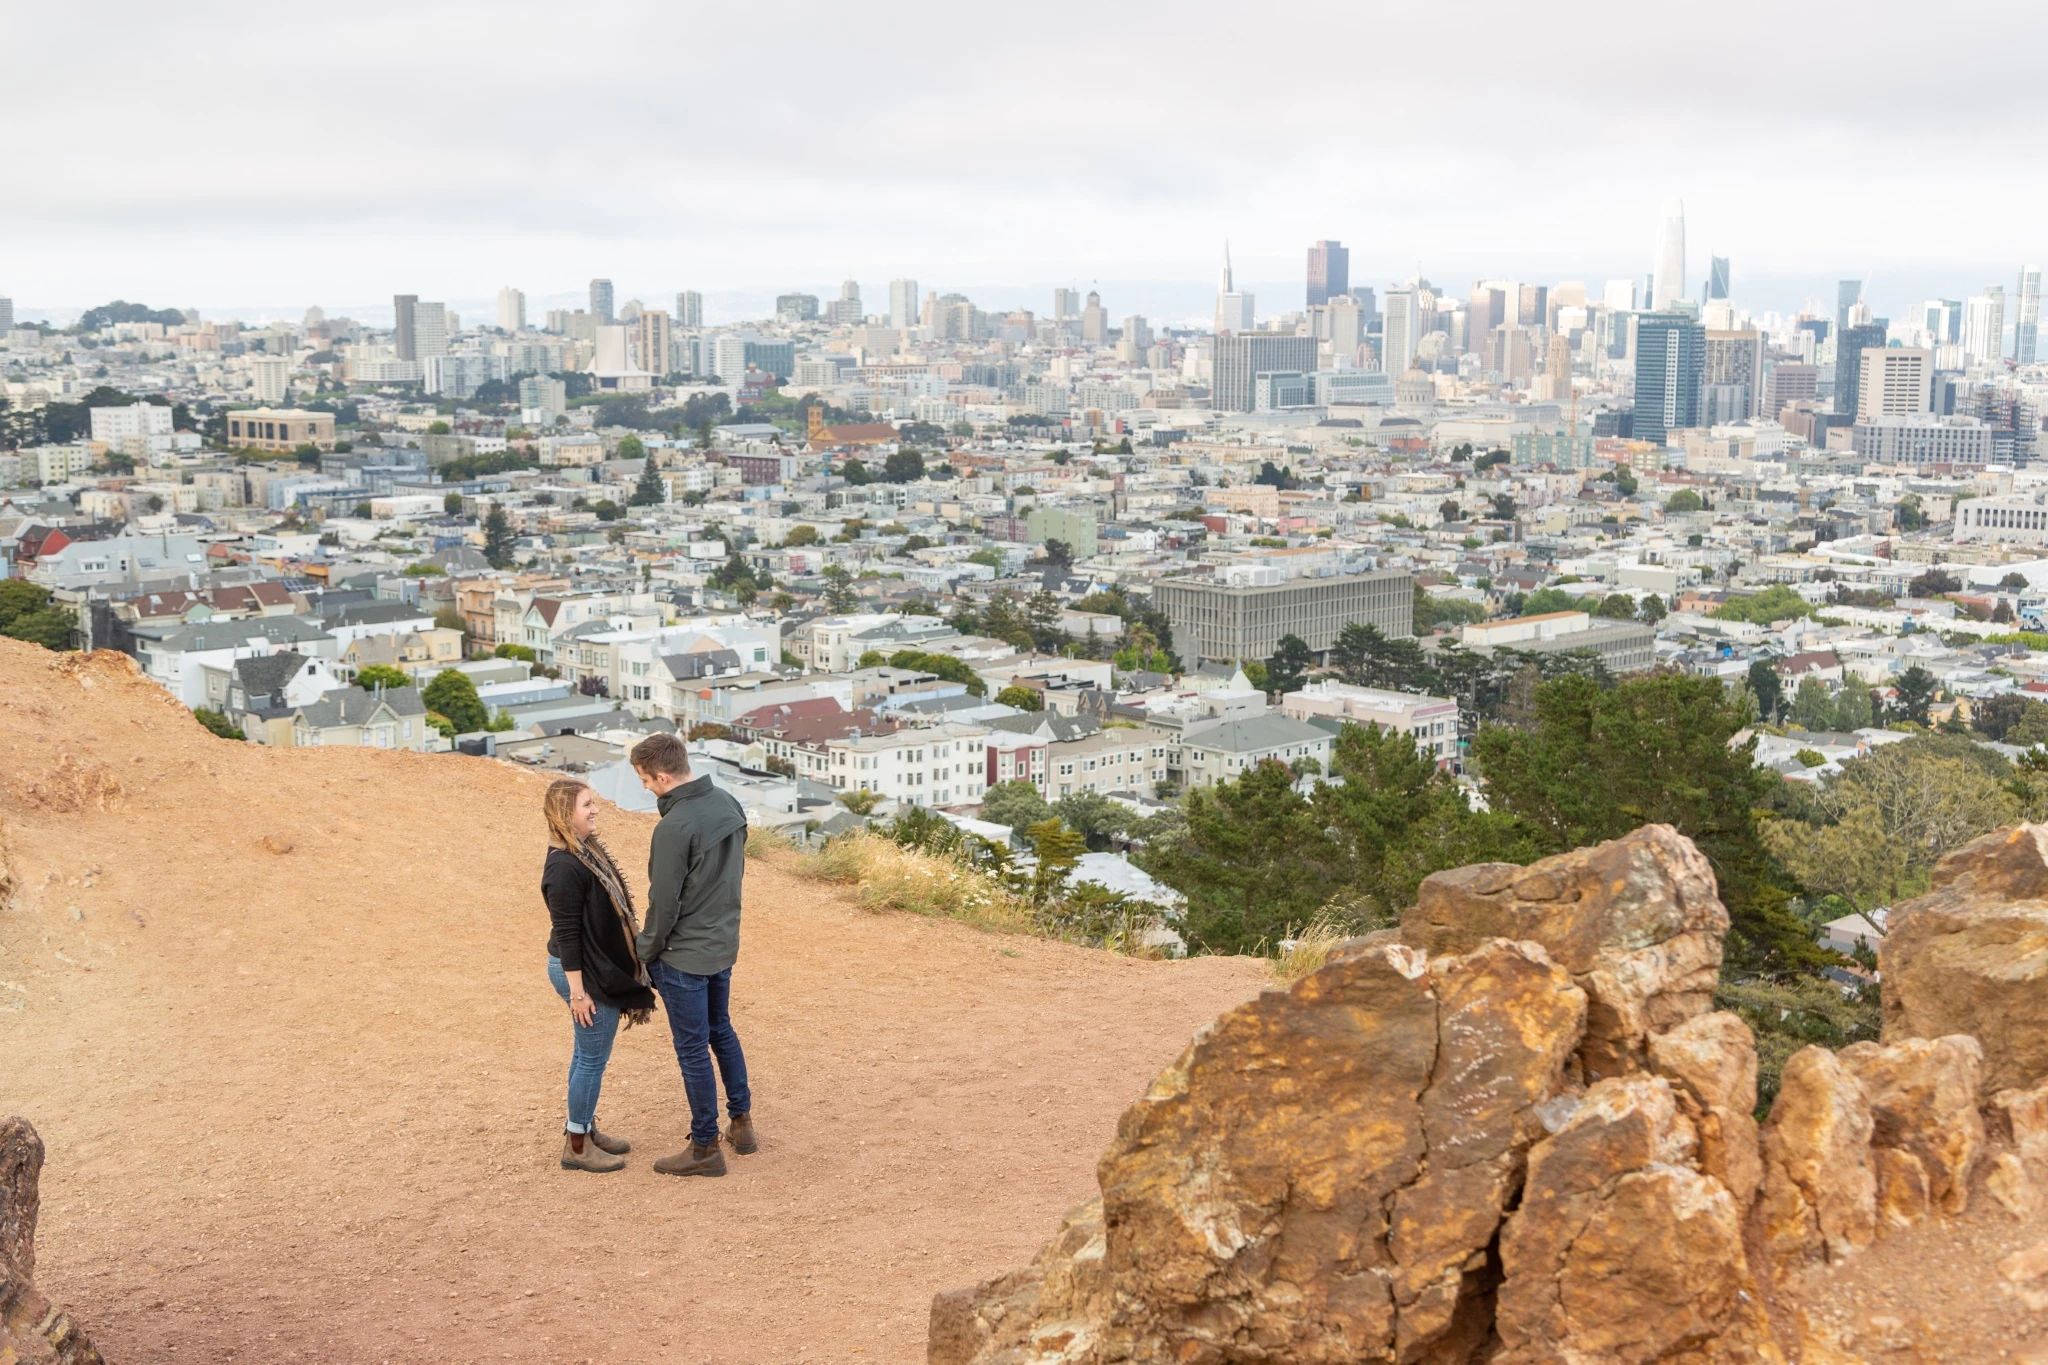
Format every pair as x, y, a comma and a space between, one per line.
273, 156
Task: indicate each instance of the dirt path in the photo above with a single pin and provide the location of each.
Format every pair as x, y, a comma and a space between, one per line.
304, 1105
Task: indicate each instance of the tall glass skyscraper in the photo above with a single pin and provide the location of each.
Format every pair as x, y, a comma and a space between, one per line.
1849, 348
1717, 278
1667, 280
2026, 332
1671, 359
1329, 272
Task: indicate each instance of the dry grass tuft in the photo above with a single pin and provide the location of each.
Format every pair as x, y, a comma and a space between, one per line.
1309, 949
762, 842
887, 876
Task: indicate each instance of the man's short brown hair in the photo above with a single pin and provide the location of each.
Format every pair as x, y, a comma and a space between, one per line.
662, 754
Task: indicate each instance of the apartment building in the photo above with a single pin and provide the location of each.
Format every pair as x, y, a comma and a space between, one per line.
945, 765
1223, 750
834, 644
1431, 722
1123, 759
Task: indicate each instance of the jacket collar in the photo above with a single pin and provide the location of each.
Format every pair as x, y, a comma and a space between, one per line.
689, 791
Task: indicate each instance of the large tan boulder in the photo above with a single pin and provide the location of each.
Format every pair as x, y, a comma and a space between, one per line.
33, 1331
1637, 921
1820, 1187
1923, 1097
1317, 1179
1621, 1251
1971, 956
1710, 1060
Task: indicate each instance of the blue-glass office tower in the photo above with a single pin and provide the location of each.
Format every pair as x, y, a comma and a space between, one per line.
1671, 361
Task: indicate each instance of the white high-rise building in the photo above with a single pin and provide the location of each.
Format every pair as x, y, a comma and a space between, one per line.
689, 309
1346, 324
903, 303
269, 378
1398, 331
1895, 381
1667, 281
1984, 324
429, 329
511, 309
2026, 329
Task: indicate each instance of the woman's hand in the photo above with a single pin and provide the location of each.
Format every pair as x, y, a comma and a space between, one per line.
582, 1009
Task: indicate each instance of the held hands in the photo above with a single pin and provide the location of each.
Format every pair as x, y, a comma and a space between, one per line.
582, 1009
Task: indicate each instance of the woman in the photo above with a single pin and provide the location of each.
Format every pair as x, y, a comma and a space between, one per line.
591, 963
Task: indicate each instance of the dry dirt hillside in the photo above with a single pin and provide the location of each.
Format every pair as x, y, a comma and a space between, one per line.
282, 1021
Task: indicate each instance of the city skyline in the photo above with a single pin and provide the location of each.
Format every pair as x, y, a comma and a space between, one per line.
727, 177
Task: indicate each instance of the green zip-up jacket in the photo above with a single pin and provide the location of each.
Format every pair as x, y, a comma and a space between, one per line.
693, 880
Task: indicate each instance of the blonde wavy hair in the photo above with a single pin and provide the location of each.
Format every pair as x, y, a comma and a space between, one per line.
559, 806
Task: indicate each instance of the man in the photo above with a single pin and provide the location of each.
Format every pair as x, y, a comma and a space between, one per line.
690, 941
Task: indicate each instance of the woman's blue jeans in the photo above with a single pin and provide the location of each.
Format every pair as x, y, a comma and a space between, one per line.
592, 1049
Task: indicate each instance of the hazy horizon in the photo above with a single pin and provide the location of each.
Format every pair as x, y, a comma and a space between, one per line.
184, 157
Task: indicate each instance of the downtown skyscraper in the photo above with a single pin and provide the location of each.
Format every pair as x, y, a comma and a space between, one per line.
1671, 354
2026, 330
1329, 272
1667, 278
601, 301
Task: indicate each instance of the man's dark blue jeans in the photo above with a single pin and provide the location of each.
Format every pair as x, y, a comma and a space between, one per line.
699, 1020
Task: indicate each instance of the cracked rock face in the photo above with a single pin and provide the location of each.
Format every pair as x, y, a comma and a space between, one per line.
1621, 1250
1923, 1095
33, 1331
1637, 921
1319, 1178
1971, 956
1820, 1186
1710, 1061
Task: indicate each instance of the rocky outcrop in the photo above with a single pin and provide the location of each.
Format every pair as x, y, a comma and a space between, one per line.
1923, 1098
1637, 922
1516, 1132
33, 1331
1327, 1173
1622, 1250
1319, 1177
1971, 956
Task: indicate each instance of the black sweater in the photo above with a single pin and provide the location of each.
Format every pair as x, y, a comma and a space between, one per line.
585, 933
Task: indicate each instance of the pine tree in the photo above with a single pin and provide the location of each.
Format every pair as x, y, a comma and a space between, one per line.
498, 539
650, 491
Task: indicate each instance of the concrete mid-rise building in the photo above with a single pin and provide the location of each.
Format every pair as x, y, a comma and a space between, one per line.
1241, 357
1243, 611
1924, 438
1623, 646
2002, 521
279, 429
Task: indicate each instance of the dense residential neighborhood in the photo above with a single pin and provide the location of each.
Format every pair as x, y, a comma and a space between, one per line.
932, 558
